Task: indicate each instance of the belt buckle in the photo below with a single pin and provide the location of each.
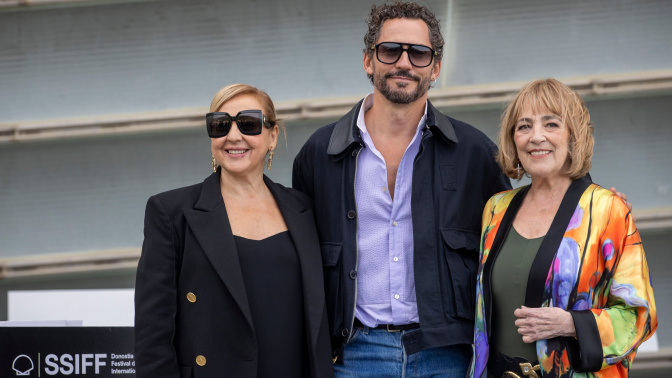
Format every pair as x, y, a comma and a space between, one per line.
391, 330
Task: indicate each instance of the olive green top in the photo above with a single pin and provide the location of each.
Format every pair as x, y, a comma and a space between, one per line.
509, 284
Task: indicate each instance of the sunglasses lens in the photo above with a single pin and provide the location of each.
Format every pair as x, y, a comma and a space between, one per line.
218, 125
421, 56
249, 123
388, 52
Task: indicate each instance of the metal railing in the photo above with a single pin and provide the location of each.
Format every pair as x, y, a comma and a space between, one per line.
460, 97
127, 258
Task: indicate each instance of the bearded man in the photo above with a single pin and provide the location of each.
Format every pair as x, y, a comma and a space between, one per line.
398, 190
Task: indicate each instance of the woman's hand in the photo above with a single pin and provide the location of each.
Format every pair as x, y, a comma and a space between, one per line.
543, 323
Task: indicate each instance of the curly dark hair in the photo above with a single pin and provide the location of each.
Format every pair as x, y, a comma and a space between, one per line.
380, 13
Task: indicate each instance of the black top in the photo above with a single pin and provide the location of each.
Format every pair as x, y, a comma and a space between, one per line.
274, 288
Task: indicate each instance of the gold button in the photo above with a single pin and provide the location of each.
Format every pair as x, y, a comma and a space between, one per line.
191, 297
200, 360
394, 223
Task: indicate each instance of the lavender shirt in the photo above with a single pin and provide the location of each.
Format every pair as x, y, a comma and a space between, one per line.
385, 279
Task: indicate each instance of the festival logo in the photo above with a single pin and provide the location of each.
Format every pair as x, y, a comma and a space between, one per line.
23, 365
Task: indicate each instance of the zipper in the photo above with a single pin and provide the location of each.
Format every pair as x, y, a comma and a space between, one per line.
354, 181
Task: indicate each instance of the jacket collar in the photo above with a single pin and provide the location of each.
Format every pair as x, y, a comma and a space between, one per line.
210, 225
211, 195
346, 131
436, 119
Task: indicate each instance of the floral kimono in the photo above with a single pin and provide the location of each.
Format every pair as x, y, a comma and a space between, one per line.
590, 263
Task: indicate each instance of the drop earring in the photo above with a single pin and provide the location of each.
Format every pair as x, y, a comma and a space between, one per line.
519, 171
270, 159
214, 164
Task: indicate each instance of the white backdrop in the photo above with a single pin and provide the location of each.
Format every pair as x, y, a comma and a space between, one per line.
95, 308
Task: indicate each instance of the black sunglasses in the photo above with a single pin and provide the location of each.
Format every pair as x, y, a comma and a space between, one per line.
249, 122
390, 52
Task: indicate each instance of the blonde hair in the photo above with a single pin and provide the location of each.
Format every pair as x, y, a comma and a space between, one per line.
557, 98
230, 91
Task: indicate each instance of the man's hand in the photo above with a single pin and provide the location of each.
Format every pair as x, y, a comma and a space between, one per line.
543, 323
624, 198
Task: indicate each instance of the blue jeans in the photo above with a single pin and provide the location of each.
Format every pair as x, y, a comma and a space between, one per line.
379, 353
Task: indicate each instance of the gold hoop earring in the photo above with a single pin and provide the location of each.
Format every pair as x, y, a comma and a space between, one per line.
270, 159
214, 164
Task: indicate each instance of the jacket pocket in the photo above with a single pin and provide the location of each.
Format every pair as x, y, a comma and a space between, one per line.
331, 252
448, 177
331, 257
461, 254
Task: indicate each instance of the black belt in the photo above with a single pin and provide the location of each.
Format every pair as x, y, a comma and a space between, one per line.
501, 365
389, 327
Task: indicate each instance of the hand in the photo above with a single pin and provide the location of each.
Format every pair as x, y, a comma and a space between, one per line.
624, 198
543, 323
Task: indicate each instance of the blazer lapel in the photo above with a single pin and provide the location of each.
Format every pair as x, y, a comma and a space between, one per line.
536, 281
210, 224
301, 224
500, 236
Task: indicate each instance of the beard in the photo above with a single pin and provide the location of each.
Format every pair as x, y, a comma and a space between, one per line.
398, 95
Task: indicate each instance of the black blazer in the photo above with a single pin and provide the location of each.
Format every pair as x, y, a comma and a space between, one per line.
192, 317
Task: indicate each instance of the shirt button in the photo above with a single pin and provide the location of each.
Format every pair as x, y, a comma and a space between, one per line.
395, 259
352, 214
353, 274
394, 223
384, 190
396, 296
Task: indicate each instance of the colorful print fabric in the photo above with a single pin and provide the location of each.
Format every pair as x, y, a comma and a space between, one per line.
599, 273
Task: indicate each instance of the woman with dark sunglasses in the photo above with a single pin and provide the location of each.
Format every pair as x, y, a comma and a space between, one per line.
229, 283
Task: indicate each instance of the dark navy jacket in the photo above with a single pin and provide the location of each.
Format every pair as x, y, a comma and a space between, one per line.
454, 174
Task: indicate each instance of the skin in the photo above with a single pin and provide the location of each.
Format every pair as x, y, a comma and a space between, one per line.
542, 144
392, 124
544, 323
542, 141
248, 167
242, 158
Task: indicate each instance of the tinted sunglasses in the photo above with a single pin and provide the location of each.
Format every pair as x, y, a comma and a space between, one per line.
390, 52
249, 122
